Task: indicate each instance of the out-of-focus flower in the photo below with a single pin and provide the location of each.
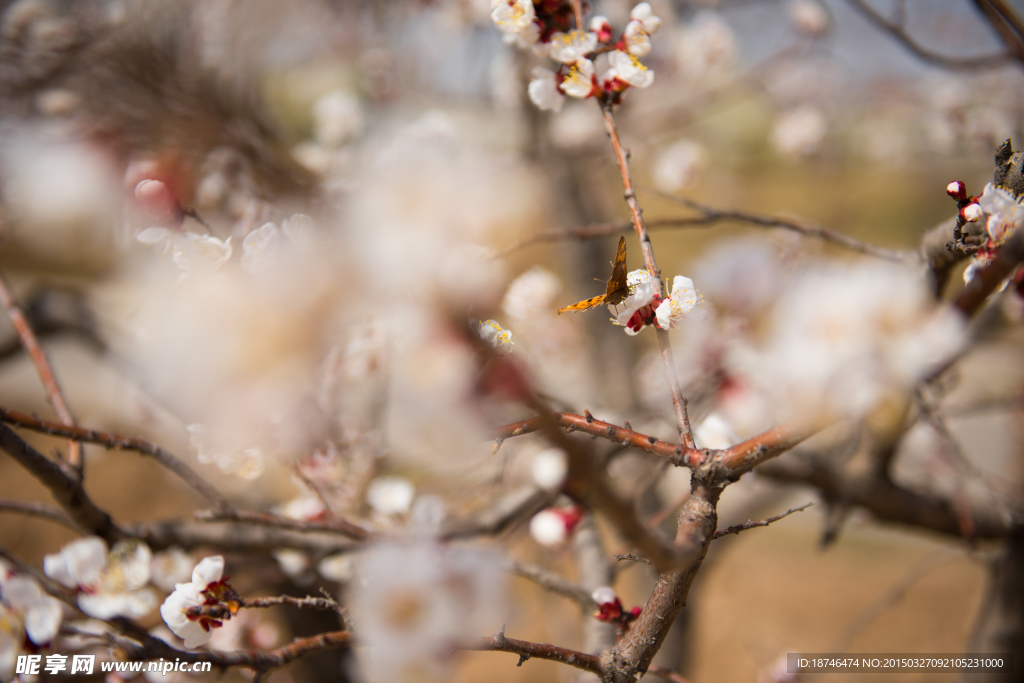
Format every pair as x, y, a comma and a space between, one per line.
40, 613
170, 568
512, 16
847, 338
390, 495
636, 39
707, 46
809, 17
715, 432
677, 166
156, 198
339, 567
259, 247
247, 463
643, 14
295, 564
1005, 212
530, 294
552, 527
414, 601
799, 132
628, 69
543, 90
337, 118
109, 585
641, 294
579, 82
741, 274
492, 334
549, 469
680, 302
12, 638
602, 28
193, 253
571, 47
206, 587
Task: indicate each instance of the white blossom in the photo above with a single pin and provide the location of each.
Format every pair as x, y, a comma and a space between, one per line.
715, 432
337, 118
549, 469
109, 585
641, 293
170, 567
705, 47
643, 14
259, 247
185, 595
570, 47
629, 70
543, 90
1005, 212
530, 294
680, 302
579, 81
512, 16
548, 527
492, 334
40, 613
799, 132
415, 601
809, 17
637, 40
677, 166
190, 251
12, 638
390, 495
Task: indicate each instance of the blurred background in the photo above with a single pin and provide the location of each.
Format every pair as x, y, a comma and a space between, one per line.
387, 141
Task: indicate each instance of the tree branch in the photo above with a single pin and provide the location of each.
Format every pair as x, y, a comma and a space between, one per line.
116, 441
269, 519
53, 393
40, 510
527, 650
764, 522
915, 48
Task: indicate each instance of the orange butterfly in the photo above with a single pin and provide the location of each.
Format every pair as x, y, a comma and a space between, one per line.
617, 287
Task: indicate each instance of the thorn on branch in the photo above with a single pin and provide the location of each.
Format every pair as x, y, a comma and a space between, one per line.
522, 658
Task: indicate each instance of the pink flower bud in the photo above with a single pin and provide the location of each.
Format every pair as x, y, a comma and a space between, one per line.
971, 213
602, 27
609, 607
957, 190
155, 197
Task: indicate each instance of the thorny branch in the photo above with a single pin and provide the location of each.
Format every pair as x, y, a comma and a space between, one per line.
53, 393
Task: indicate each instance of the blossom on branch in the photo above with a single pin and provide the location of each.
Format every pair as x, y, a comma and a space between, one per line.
206, 588
39, 613
512, 16
543, 90
500, 340
627, 69
108, 584
568, 48
579, 82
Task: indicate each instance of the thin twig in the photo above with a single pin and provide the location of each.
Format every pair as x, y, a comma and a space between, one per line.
605, 229
764, 522
527, 650
66, 490
800, 227
678, 402
632, 558
336, 526
116, 441
945, 61
40, 510
556, 583
46, 376
219, 611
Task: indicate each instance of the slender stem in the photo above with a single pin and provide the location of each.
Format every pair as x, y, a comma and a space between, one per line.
40, 510
46, 376
338, 525
636, 214
129, 443
577, 10
763, 522
527, 650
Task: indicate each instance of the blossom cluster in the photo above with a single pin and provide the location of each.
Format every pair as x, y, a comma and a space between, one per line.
644, 307
1002, 212
592, 63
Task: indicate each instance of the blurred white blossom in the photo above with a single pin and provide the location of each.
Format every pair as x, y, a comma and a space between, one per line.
799, 132
390, 495
500, 340
530, 294
705, 47
809, 17
543, 90
677, 166
415, 601
549, 469
338, 117
40, 613
109, 584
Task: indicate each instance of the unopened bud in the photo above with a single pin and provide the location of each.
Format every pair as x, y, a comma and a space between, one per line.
155, 197
957, 190
602, 27
971, 213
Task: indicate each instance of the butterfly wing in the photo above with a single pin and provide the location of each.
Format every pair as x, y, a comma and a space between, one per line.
617, 288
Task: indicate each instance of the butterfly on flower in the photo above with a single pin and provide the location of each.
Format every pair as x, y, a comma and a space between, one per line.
617, 289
